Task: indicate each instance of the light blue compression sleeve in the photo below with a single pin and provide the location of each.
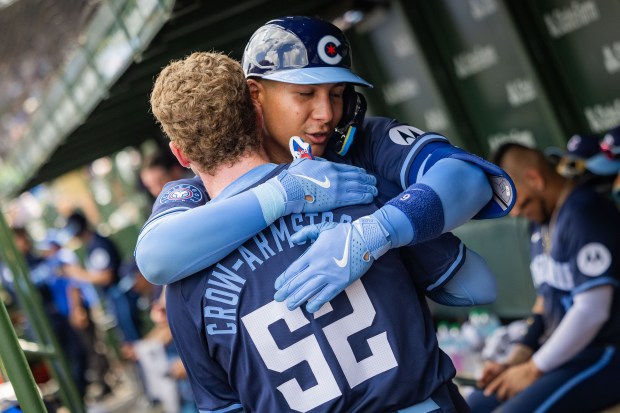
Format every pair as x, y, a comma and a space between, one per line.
462, 187
449, 194
473, 284
179, 244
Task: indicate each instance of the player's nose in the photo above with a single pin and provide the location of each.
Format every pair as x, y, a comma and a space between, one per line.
322, 108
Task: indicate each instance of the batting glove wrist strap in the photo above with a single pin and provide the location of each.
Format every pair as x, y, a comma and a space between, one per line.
373, 235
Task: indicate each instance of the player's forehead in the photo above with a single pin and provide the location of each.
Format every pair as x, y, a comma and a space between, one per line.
302, 86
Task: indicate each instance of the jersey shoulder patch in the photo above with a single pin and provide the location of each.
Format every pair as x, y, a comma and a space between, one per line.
593, 259
182, 193
404, 135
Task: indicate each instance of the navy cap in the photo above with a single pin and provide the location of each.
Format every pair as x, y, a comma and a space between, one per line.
577, 147
607, 161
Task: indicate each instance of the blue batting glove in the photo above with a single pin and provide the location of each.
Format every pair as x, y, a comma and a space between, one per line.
341, 254
318, 185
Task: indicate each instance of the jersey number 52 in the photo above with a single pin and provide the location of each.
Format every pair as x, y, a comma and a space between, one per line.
337, 333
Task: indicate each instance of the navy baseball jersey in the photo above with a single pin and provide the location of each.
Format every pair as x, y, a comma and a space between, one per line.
582, 251
372, 348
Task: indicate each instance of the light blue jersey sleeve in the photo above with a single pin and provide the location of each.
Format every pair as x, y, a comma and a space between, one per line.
473, 284
177, 243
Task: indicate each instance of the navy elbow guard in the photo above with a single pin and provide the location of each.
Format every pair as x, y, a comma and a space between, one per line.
423, 209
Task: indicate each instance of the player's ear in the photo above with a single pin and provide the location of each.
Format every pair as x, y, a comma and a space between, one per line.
180, 155
535, 179
255, 89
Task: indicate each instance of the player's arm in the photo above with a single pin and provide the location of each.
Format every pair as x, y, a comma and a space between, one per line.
445, 187
173, 245
472, 284
582, 322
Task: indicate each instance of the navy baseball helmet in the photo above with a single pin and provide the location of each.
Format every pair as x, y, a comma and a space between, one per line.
300, 50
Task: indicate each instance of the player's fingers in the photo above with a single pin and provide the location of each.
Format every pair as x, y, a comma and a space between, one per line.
491, 387
326, 294
345, 168
359, 189
358, 176
502, 391
309, 232
290, 273
305, 292
303, 277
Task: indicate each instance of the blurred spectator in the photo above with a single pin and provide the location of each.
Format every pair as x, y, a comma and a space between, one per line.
103, 262
30, 59
102, 269
159, 169
167, 383
55, 292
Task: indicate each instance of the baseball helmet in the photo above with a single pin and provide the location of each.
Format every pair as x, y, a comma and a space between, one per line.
300, 50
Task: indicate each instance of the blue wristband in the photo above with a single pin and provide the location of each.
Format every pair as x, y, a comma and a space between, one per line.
422, 206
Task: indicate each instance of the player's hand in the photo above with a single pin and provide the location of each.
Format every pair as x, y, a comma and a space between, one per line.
341, 253
490, 371
318, 185
513, 381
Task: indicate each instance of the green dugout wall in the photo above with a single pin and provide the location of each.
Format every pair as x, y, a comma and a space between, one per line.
484, 72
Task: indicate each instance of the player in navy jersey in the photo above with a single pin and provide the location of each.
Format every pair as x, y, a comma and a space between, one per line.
568, 361
311, 97
371, 349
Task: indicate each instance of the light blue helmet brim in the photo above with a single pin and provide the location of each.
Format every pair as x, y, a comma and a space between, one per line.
317, 76
601, 165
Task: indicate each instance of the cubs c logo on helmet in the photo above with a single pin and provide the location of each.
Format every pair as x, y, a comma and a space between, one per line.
327, 49
182, 193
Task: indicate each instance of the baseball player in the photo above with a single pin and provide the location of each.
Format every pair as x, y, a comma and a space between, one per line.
373, 348
568, 360
444, 186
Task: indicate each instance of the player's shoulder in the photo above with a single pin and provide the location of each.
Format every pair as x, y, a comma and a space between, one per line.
583, 200
378, 127
186, 190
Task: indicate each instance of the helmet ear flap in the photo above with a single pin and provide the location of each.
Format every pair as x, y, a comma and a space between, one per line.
354, 110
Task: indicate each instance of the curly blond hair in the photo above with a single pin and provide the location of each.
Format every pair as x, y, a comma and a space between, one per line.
203, 104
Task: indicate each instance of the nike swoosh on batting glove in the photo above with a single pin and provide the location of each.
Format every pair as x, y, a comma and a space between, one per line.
314, 186
341, 254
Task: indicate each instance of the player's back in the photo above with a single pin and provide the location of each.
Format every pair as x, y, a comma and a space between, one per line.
371, 349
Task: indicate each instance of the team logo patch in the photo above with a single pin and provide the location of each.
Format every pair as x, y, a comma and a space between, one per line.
405, 135
299, 148
328, 50
183, 193
593, 259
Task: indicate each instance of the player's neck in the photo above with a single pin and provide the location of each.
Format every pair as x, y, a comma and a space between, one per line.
226, 174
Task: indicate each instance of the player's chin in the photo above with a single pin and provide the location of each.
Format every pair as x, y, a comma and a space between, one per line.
318, 149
